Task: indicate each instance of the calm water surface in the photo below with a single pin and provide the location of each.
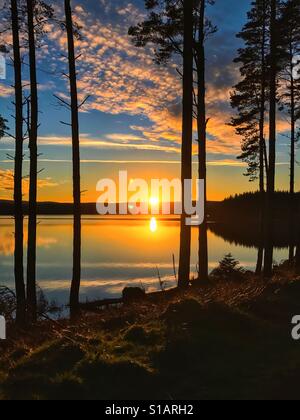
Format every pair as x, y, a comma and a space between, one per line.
115, 254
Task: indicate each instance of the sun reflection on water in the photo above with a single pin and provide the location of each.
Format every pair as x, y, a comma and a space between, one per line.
153, 225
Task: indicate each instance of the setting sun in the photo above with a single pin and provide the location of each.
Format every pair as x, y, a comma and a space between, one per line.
154, 201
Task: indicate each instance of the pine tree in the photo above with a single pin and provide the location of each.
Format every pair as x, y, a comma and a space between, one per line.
228, 269
204, 28
72, 30
18, 196
290, 93
250, 97
187, 141
3, 126
75, 287
274, 60
37, 13
164, 28
297, 258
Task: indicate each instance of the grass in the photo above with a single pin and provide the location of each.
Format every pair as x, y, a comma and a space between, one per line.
223, 341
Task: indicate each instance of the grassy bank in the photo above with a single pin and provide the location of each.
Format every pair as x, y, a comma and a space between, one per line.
227, 340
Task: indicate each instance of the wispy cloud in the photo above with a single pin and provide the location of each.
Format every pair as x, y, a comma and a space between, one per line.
5, 91
7, 182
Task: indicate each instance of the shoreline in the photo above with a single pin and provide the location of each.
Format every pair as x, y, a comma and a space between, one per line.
216, 329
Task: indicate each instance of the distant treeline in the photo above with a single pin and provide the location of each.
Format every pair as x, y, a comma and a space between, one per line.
247, 207
57, 209
235, 209
47, 208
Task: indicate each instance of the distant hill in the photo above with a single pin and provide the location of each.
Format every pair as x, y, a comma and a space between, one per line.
235, 209
59, 209
48, 208
248, 206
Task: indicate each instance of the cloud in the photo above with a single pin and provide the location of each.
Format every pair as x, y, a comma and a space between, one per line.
7, 182
124, 80
110, 141
5, 91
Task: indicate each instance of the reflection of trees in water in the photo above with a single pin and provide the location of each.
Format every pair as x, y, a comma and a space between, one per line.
248, 234
7, 242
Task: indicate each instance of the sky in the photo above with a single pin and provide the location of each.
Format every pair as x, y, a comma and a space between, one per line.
132, 118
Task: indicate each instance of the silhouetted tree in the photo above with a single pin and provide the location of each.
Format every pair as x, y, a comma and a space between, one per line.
75, 287
3, 126
229, 269
164, 28
187, 140
273, 81
18, 197
250, 99
251, 94
297, 265
38, 13
203, 29
33, 133
290, 93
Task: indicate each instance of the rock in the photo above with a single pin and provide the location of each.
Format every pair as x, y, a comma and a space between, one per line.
133, 294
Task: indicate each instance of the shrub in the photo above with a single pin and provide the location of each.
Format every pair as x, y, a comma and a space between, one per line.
228, 269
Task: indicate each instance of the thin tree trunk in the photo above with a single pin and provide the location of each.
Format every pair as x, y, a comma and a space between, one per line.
262, 109
18, 198
293, 140
187, 139
297, 228
75, 287
259, 263
273, 100
262, 146
201, 123
292, 164
297, 263
268, 266
33, 133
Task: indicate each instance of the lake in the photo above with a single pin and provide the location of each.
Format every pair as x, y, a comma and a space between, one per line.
115, 254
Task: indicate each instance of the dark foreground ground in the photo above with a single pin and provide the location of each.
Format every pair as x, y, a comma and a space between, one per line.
223, 341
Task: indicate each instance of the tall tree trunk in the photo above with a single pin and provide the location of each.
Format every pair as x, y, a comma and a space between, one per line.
293, 137
268, 266
201, 124
297, 227
292, 164
33, 134
19, 232
262, 108
187, 139
273, 100
75, 287
262, 167
259, 262
297, 263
